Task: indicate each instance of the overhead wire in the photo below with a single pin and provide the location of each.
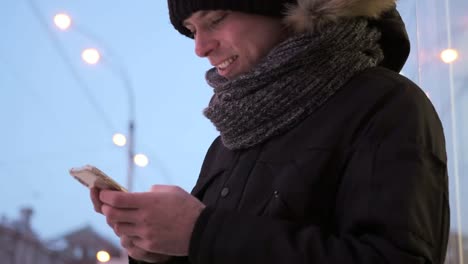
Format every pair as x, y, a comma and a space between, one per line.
38, 98
63, 54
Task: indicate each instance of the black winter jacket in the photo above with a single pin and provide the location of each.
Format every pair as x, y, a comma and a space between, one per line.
362, 180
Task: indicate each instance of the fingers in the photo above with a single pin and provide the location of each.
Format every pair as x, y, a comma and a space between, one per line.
126, 242
145, 256
120, 199
159, 221
116, 215
110, 223
125, 200
126, 229
97, 204
141, 254
122, 221
164, 188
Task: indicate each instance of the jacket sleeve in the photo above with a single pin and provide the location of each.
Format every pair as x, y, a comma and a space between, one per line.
391, 205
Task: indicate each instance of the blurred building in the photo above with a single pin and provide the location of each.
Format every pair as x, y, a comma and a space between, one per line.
19, 244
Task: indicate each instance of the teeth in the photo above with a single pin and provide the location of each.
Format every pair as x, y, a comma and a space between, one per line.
226, 63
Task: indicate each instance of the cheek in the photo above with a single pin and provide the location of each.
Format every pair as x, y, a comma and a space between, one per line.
248, 56
261, 44
251, 46
256, 51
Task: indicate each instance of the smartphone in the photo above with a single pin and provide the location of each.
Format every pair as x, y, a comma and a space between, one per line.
91, 176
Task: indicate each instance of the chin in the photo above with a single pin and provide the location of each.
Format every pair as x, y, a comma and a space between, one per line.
230, 76
234, 74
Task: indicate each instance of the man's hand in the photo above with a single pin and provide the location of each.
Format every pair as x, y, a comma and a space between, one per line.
160, 221
97, 204
141, 254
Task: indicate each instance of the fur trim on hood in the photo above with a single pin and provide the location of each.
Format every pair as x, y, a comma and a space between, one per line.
311, 15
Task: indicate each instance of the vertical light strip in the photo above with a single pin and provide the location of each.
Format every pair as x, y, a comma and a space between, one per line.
418, 43
454, 135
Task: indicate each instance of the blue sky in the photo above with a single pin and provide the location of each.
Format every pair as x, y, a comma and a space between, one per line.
49, 123
53, 120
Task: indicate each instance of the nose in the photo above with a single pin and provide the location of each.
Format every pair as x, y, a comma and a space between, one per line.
204, 44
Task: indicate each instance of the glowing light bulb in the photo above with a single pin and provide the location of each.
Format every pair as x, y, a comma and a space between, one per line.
449, 55
91, 56
141, 160
119, 139
62, 21
103, 256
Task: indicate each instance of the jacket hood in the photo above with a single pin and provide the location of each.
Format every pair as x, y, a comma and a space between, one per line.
312, 15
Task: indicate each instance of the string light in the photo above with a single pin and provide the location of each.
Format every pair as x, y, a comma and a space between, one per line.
103, 256
91, 56
119, 139
141, 160
62, 21
449, 55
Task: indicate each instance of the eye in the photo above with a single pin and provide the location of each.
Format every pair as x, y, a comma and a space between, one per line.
218, 19
192, 31
193, 34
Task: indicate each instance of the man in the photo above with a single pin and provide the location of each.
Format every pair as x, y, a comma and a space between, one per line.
326, 154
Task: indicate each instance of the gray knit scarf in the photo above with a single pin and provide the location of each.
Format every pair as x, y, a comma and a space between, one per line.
290, 83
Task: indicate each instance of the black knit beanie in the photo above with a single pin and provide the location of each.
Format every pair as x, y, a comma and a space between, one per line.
179, 10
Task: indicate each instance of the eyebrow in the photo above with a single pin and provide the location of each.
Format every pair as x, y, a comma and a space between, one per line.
200, 14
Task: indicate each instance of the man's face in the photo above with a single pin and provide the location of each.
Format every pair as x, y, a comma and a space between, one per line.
233, 42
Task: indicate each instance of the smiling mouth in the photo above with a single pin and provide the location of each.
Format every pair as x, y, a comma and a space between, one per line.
223, 65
